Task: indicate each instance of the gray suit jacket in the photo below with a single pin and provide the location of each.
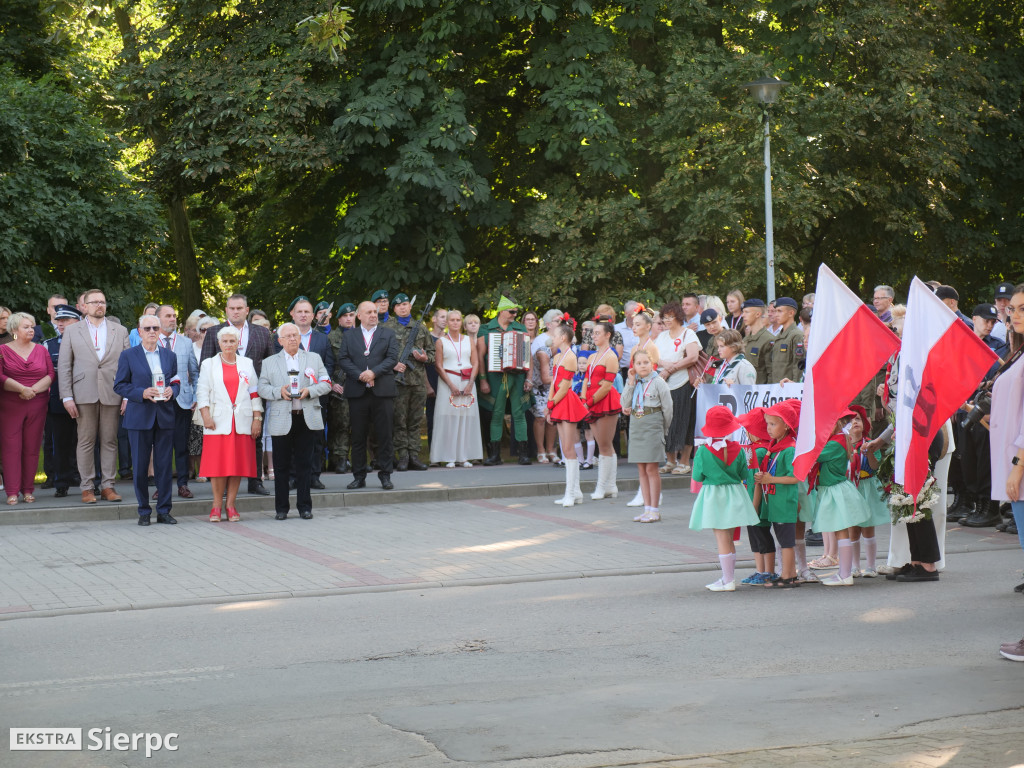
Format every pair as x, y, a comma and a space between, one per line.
83, 376
275, 375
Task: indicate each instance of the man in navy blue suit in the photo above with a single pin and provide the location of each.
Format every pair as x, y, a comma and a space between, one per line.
147, 377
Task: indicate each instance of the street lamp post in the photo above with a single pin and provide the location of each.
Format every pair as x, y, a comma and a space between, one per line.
766, 90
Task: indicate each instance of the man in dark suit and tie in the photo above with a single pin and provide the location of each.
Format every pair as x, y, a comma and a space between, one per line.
255, 343
301, 310
147, 377
368, 358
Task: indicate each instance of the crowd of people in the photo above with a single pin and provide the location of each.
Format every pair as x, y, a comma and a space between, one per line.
159, 401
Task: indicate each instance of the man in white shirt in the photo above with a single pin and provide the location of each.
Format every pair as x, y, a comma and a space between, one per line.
625, 329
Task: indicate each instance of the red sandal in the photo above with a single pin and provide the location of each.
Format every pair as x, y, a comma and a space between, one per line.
233, 516
215, 515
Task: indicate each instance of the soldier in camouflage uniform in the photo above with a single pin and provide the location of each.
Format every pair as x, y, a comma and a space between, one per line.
758, 337
786, 355
412, 392
337, 416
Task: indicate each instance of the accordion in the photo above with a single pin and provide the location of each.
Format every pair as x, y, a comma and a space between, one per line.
509, 351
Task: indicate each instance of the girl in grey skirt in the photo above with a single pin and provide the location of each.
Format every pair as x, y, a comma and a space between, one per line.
648, 402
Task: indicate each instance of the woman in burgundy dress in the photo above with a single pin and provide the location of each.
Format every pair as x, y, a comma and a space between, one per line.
232, 417
26, 373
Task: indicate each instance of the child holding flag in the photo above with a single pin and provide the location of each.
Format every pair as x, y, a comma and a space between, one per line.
777, 486
723, 504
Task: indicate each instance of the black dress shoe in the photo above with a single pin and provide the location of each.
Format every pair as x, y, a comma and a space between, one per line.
359, 482
1019, 589
403, 464
415, 463
257, 488
126, 475
813, 539
47, 485
305, 515
143, 519
346, 466
317, 483
981, 519
918, 573
61, 493
385, 481
908, 568
281, 516
166, 519
1011, 528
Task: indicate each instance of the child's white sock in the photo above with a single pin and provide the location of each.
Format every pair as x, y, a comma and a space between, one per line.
800, 553
870, 551
728, 563
856, 554
845, 558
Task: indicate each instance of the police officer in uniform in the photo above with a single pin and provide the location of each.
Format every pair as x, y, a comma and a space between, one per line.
411, 401
63, 427
786, 356
338, 425
758, 337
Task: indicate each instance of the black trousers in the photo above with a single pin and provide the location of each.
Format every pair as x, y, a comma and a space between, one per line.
975, 466
365, 412
924, 544
49, 460
182, 423
293, 451
64, 434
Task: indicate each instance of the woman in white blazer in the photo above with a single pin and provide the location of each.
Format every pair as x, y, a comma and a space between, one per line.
232, 414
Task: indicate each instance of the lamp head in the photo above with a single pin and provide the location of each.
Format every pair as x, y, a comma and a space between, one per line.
765, 90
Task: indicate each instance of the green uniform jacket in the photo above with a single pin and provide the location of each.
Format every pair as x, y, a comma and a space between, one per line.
708, 469
755, 349
786, 355
512, 382
415, 373
833, 461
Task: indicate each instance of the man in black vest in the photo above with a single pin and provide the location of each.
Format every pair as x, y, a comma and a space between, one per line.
368, 358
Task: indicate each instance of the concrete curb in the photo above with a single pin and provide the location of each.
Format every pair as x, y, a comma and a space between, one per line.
77, 512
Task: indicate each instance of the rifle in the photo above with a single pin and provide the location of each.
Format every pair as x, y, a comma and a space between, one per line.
410, 342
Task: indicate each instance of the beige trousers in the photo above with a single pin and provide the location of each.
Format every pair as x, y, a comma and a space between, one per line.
97, 423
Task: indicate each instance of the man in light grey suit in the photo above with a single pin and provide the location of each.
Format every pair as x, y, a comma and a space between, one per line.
87, 365
292, 383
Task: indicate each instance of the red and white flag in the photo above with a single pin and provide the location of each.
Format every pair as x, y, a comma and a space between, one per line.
848, 344
941, 364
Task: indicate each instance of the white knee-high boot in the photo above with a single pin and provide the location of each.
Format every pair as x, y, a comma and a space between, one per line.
573, 484
572, 474
638, 500
606, 471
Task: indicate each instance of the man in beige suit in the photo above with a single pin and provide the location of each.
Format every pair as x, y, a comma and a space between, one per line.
87, 365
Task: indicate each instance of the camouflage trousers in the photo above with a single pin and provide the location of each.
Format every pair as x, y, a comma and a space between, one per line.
410, 407
338, 430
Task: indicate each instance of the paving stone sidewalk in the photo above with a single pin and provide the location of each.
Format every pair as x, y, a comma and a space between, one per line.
116, 565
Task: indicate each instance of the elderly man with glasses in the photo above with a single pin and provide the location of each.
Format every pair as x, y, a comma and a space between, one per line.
147, 377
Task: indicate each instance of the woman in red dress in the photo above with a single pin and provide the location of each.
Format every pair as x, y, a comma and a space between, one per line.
603, 403
26, 373
232, 415
566, 410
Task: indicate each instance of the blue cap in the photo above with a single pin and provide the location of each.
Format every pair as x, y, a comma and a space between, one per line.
785, 301
708, 315
753, 303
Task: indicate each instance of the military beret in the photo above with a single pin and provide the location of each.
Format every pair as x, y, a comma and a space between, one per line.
947, 292
785, 301
322, 305
346, 308
400, 298
986, 311
66, 312
296, 300
708, 315
1004, 290
379, 294
753, 303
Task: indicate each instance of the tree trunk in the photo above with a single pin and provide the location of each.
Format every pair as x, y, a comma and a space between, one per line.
184, 254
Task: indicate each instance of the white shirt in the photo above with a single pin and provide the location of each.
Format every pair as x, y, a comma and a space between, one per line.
628, 339
98, 334
999, 331
541, 342
304, 339
671, 352
243, 337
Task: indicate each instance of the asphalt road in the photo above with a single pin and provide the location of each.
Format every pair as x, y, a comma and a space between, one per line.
627, 670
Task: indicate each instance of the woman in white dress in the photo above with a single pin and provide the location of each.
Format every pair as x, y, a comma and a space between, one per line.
456, 417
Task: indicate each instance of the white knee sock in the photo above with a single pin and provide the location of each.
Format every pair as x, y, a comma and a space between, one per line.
845, 558
800, 553
579, 451
728, 563
870, 551
856, 554
591, 447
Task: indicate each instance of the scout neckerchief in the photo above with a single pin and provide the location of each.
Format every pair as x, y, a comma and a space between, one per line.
855, 467
721, 375
771, 459
640, 395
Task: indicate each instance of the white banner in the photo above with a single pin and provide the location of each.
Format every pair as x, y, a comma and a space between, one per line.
742, 398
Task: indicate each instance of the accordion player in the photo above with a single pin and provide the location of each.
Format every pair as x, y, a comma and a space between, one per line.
508, 352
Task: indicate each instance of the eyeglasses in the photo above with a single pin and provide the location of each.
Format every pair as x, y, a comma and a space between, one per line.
149, 327
1015, 310
98, 303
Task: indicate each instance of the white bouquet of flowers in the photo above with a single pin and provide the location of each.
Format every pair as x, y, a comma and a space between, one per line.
902, 506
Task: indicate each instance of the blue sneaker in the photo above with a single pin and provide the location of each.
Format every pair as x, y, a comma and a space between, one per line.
755, 578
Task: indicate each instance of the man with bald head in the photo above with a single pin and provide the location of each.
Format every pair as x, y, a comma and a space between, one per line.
368, 357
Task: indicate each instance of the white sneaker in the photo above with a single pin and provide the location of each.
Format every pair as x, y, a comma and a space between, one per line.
869, 573
720, 586
638, 500
856, 573
467, 464
450, 465
835, 581
649, 517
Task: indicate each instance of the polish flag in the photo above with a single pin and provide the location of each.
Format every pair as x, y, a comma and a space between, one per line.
941, 364
848, 344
